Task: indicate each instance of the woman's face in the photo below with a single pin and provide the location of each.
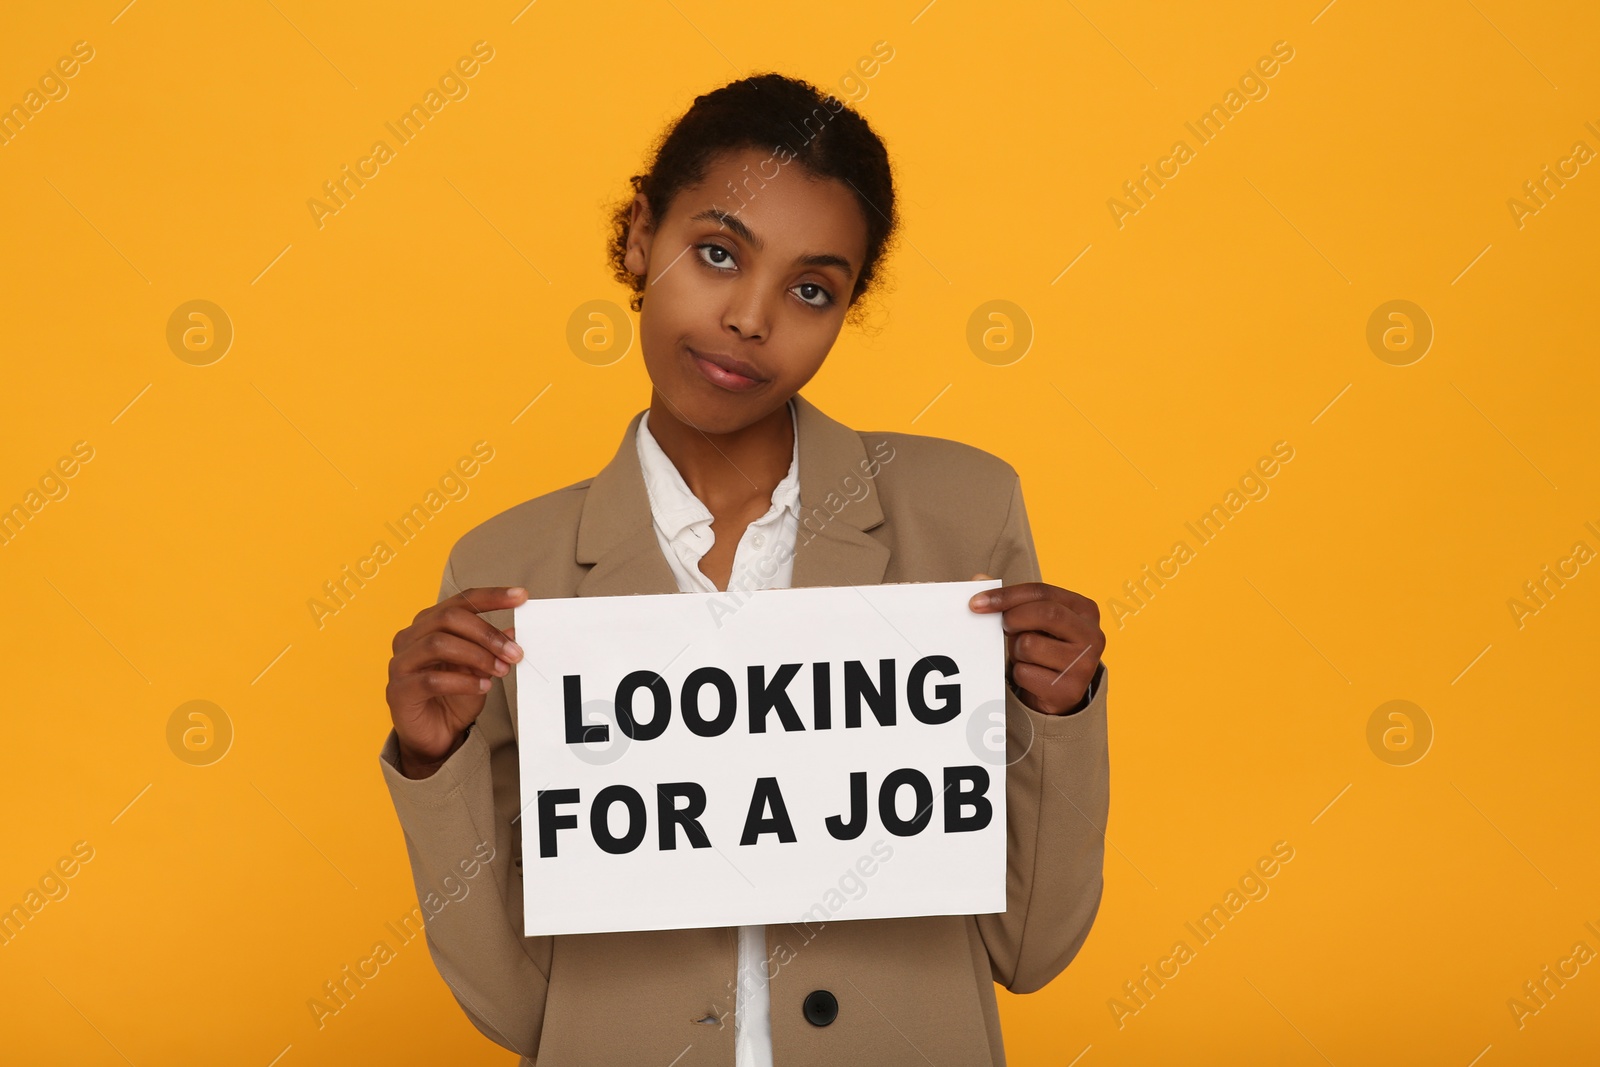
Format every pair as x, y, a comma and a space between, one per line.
753, 266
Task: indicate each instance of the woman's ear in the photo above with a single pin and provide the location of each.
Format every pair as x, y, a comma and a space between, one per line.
637, 256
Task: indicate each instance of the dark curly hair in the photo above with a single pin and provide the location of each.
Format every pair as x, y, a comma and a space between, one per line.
770, 112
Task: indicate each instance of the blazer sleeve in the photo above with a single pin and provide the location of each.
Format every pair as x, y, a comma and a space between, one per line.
499, 977
1057, 800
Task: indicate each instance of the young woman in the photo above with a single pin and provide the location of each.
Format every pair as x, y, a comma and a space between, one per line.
752, 238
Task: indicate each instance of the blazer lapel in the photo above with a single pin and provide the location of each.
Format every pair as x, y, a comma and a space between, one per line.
617, 535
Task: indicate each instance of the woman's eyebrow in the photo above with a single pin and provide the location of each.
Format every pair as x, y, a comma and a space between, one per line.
737, 225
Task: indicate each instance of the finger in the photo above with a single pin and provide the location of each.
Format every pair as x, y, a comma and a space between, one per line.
480, 599
460, 623
442, 649
1010, 638
1051, 617
468, 624
1009, 596
1059, 689
976, 601
414, 690
1042, 650
463, 622
492, 598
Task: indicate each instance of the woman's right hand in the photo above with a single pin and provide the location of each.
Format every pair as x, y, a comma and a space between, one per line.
443, 665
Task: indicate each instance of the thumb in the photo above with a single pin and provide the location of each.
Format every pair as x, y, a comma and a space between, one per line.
1011, 639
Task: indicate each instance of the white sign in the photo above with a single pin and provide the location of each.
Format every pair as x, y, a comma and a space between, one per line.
787, 755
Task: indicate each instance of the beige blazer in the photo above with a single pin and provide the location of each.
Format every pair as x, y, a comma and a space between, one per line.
876, 507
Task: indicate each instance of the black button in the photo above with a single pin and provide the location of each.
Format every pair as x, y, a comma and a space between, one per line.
821, 1007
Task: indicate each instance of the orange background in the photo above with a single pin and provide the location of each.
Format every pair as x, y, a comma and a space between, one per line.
1230, 312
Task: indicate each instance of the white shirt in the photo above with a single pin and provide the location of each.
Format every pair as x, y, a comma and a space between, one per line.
764, 559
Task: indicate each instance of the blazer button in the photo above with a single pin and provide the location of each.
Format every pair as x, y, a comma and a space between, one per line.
821, 1007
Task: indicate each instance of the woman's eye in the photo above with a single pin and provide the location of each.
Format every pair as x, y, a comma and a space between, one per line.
708, 249
817, 298
721, 259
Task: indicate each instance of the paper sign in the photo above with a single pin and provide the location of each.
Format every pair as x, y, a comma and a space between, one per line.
787, 755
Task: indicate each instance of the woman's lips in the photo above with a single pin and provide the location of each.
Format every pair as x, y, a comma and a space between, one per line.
725, 378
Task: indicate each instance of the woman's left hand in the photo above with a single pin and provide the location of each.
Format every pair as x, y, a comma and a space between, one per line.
1053, 641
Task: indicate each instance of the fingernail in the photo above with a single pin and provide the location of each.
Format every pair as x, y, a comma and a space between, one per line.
516, 590
512, 650
483, 685
500, 667
983, 600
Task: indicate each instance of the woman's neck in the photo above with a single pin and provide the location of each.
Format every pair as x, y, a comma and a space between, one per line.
728, 472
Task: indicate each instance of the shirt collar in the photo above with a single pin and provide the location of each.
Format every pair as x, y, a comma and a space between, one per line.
676, 509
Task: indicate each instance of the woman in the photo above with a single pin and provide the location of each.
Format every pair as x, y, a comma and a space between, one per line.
749, 242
